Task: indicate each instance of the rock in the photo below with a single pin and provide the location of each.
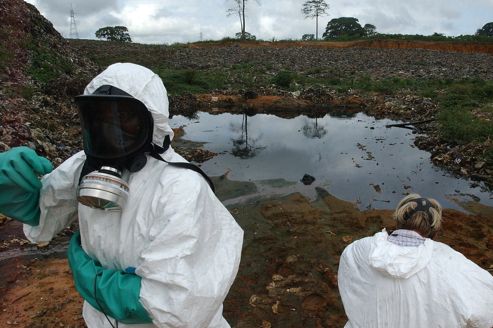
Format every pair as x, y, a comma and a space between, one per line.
307, 179
250, 94
479, 165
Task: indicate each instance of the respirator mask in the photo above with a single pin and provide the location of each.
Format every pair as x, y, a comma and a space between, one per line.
117, 132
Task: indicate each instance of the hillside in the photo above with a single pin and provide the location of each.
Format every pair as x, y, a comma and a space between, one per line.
39, 74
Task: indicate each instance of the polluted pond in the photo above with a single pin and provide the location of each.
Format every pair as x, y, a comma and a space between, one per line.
302, 189
355, 158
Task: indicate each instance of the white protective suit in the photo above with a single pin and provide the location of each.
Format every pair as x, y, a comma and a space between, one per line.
184, 243
386, 285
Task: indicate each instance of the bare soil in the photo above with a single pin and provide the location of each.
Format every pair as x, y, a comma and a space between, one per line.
288, 272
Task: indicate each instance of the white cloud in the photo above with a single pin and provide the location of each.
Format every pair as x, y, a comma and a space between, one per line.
167, 21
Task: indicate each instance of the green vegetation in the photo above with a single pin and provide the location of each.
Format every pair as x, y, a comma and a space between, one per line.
284, 78
47, 65
436, 37
114, 33
464, 105
486, 30
348, 27
180, 81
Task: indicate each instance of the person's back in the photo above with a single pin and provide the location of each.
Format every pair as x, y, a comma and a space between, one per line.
405, 280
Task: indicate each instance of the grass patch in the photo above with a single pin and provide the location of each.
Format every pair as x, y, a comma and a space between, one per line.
457, 103
178, 81
47, 65
284, 79
460, 126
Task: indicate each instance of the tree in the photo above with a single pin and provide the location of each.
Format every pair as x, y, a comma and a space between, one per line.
114, 33
244, 147
343, 27
239, 8
370, 30
245, 36
312, 130
315, 8
486, 30
308, 37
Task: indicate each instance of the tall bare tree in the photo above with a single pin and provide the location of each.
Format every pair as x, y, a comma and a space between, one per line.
239, 8
314, 9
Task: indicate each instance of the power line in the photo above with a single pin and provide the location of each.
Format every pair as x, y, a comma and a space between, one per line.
74, 34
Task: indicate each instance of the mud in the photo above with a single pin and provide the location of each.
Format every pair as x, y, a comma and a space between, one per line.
288, 272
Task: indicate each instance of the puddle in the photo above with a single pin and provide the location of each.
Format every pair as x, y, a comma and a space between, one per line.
355, 158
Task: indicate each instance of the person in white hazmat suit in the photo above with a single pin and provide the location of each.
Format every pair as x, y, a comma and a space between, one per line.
405, 279
156, 247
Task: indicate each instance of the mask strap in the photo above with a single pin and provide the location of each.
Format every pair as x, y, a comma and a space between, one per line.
156, 151
159, 149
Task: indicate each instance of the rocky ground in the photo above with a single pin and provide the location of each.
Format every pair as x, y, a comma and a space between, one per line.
288, 272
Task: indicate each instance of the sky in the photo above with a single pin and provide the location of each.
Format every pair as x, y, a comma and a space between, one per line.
171, 21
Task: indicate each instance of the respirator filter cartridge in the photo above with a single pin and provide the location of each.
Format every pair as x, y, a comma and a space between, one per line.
103, 189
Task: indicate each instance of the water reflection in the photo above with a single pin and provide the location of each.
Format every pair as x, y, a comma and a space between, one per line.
243, 146
313, 130
356, 159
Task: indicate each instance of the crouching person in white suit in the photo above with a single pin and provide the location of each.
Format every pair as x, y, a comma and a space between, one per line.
156, 248
405, 279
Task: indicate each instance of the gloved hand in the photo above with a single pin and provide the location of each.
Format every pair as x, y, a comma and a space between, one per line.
115, 293
20, 185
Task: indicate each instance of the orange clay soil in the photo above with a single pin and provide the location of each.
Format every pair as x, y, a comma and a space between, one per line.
288, 273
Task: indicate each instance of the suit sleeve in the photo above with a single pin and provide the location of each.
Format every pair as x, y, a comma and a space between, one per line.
58, 200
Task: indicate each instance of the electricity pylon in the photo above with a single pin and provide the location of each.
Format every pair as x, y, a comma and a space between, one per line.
74, 34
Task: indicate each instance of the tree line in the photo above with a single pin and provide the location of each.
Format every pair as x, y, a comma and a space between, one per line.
336, 28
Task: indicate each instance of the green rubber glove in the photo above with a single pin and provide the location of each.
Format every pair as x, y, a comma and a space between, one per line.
115, 293
20, 169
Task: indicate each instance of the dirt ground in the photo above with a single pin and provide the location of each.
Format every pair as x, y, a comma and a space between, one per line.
288, 273
380, 44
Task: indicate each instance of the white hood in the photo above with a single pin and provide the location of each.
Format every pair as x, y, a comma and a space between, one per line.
142, 84
399, 261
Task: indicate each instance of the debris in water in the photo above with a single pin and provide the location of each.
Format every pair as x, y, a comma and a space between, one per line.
376, 187
307, 179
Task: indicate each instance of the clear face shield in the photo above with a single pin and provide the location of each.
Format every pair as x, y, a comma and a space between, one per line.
114, 129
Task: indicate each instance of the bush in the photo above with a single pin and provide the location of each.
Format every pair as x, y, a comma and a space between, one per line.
284, 79
308, 37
